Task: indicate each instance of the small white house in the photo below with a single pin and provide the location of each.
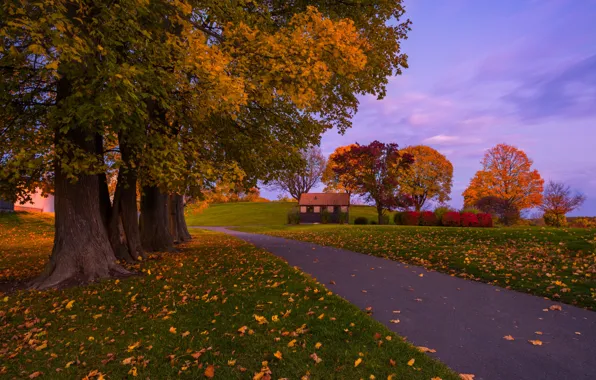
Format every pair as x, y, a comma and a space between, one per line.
37, 204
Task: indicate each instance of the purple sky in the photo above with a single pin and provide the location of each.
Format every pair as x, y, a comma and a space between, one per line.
522, 72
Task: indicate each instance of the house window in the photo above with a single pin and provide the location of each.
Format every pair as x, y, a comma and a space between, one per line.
310, 209
344, 208
330, 208
317, 209
302, 209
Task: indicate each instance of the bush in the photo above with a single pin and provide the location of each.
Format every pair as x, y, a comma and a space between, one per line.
411, 218
583, 222
385, 219
398, 218
511, 216
361, 220
471, 210
373, 222
294, 216
440, 211
428, 218
325, 216
485, 220
343, 218
469, 219
451, 219
555, 220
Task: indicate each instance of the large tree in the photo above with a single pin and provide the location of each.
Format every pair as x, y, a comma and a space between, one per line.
507, 174
181, 91
559, 200
303, 176
373, 171
429, 177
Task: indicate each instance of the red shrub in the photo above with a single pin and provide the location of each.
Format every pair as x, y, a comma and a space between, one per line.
485, 220
411, 218
469, 219
451, 219
428, 218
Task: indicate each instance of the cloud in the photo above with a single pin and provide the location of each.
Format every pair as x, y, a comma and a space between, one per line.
451, 140
563, 93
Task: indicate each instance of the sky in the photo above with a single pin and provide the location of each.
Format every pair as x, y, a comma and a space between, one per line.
483, 72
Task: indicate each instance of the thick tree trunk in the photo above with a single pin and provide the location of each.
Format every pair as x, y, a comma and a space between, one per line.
380, 214
155, 232
178, 223
82, 251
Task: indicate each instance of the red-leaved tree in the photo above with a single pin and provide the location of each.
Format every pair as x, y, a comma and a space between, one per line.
373, 171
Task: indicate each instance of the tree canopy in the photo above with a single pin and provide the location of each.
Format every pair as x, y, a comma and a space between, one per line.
507, 174
429, 177
173, 95
373, 171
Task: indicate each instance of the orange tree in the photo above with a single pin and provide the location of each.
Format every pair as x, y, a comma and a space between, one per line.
429, 178
507, 174
334, 182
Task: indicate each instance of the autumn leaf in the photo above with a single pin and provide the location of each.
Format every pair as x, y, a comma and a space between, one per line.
262, 320
467, 376
357, 362
172, 330
411, 362
70, 304
396, 321
209, 371
426, 349
508, 337
535, 342
556, 307
316, 358
318, 345
278, 355
242, 329
35, 374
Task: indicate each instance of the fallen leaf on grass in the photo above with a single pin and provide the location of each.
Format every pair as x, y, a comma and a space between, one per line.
316, 358
357, 362
35, 374
209, 371
173, 330
278, 355
318, 345
411, 362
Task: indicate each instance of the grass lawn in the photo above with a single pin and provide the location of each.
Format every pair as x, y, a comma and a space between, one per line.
257, 213
556, 263
219, 308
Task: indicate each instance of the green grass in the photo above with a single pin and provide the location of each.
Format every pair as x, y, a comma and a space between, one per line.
556, 263
257, 213
194, 311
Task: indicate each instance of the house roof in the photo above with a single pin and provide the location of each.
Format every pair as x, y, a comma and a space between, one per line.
324, 199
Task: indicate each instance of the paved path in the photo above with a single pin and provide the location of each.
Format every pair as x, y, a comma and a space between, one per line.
465, 321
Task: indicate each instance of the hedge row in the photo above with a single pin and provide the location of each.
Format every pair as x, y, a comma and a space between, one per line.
449, 219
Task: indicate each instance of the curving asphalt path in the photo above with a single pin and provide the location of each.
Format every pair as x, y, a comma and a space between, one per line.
465, 321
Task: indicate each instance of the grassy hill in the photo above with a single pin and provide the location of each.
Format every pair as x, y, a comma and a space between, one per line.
267, 213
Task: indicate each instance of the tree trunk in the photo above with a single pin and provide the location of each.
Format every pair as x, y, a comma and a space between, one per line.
380, 214
179, 228
82, 251
155, 233
129, 214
